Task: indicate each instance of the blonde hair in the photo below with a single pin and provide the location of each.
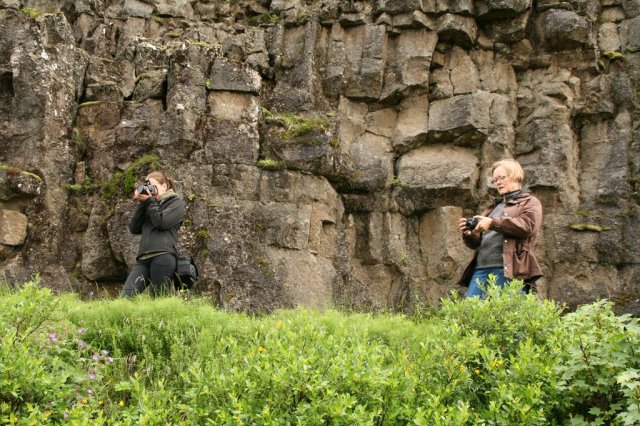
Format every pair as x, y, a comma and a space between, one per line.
162, 178
513, 168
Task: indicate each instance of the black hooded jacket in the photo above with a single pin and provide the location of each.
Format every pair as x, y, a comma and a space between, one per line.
158, 221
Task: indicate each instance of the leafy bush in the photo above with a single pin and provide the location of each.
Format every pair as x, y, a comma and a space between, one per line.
47, 373
599, 367
507, 359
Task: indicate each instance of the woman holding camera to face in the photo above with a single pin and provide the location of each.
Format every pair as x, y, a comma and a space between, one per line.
157, 219
505, 235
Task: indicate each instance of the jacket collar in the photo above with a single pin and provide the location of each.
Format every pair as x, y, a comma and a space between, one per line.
511, 197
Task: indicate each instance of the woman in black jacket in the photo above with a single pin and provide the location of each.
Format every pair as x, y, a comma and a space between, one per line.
157, 219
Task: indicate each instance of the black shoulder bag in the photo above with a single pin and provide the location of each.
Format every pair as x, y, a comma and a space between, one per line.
186, 272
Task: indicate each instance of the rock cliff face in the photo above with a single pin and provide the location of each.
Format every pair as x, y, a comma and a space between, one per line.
326, 149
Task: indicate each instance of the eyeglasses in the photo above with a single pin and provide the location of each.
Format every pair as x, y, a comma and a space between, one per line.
498, 179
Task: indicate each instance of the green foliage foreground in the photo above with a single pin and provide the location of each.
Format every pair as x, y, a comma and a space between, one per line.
510, 359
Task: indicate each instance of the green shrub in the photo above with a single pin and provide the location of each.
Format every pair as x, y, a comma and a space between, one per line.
47, 372
504, 360
598, 368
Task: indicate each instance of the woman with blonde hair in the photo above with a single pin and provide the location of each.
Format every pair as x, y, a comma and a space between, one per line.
157, 219
505, 235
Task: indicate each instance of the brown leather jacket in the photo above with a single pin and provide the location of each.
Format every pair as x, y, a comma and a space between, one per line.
520, 226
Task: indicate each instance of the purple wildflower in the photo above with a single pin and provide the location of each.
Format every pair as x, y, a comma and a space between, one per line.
92, 376
105, 353
53, 337
90, 391
66, 415
95, 357
81, 330
110, 359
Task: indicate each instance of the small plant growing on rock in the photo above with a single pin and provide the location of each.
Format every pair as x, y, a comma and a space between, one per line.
90, 103
84, 187
159, 19
263, 19
613, 55
296, 125
202, 236
404, 256
10, 170
588, 227
127, 180
31, 12
269, 164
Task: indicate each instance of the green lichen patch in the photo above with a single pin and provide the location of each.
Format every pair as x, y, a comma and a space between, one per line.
90, 103
125, 181
268, 164
159, 19
10, 170
202, 238
613, 55
582, 227
204, 44
31, 12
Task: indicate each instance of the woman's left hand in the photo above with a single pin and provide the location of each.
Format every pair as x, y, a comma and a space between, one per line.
484, 224
141, 197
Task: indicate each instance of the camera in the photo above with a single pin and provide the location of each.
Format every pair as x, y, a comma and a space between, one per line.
147, 187
471, 223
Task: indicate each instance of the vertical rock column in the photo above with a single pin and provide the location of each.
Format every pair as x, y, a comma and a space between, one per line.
42, 78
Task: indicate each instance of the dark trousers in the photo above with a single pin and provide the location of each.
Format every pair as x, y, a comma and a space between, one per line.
156, 273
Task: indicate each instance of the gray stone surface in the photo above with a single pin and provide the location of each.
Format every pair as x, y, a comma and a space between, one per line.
608, 37
445, 254
232, 128
13, 228
630, 34
98, 261
563, 29
500, 9
418, 98
431, 175
137, 8
457, 29
229, 77
463, 120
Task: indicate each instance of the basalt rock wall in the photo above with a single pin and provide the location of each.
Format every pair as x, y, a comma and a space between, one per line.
325, 149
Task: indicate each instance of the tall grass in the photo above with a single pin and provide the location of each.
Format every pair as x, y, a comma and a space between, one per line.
509, 359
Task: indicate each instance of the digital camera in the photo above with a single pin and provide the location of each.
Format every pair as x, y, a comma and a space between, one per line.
147, 187
471, 223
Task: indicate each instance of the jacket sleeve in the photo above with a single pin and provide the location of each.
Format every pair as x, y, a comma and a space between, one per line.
472, 240
137, 219
167, 216
525, 224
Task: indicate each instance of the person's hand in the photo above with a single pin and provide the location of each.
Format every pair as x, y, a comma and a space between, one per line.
141, 197
484, 224
463, 227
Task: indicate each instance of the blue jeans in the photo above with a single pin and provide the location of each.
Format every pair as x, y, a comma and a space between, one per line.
480, 279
